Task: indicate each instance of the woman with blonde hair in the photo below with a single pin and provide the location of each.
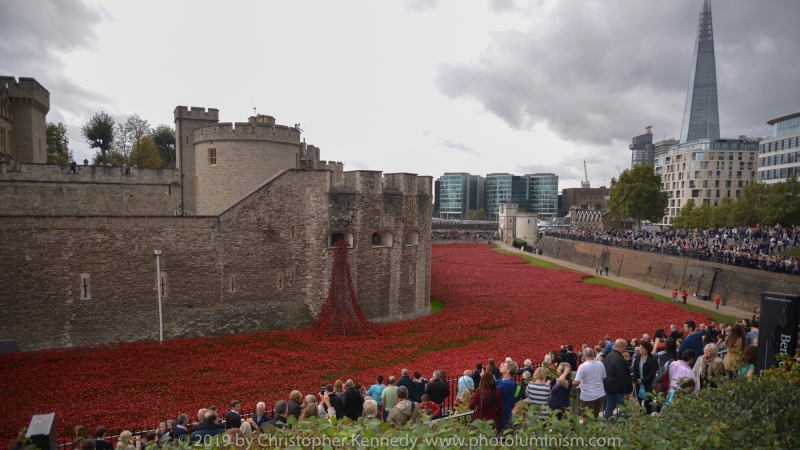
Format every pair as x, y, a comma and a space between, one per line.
310, 410
338, 388
539, 390
465, 383
295, 403
124, 441
703, 363
371, 408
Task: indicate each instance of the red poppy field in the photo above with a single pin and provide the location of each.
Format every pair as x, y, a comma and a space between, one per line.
497, 305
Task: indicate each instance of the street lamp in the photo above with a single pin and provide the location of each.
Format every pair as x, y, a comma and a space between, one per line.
158, 289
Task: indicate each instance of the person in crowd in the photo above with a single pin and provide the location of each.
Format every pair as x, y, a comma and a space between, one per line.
334, 404
528, 367
681, 369
748, 366
539, 390
703, 363
476, 375
735, 343
389, 397
100, 438
571, 358
590, 378
463, 399
716, 370
420, 384
659, 338
246, 429
310, 410
465, 383
437, 388
609, 344
261, 417
670, 352
645, 366
338, 387
674, 333
180, 429
405, 410
376, 390
232, 418
675, 295
753, 333
493, 369
161, 430
487, 401
80, 433
684, 296
371, 409
150, 441
561, 390
686, 387
281, 413
87, 444
125, 441
693, 340
405, 380
430, 408
295, 405
554, 358
353, 402
507, 387
519, 414
618, 383
211, 428
717, 301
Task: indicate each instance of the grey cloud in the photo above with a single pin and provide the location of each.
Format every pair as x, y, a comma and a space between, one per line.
501, 6
32, 36
597, 71
459, 146
421, 5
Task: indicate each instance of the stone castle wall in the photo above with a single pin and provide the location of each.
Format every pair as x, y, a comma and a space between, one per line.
51, 190
264, 263
737, 286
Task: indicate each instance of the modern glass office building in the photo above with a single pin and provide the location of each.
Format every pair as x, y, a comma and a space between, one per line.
543, 195
642, 149
706, 170
779, 155
701, 113
457, 194
498, 187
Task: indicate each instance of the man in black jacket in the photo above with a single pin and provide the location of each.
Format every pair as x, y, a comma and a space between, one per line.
210, 428
437, 389
332, 400
101, 443
618, 382
180, 429
353, 401
406, 381
232, 418
281, 413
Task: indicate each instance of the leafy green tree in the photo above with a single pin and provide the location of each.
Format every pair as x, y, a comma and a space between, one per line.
722, 214
783, 203
476, 214
122, 143
146, 154
58, 151
164, 138
638, 194
99, 133
749, 208
113, 157
684, 215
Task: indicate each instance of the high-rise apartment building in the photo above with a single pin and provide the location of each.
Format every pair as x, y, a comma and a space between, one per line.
779, 155
706, 170
456, 194
701, 113
661, 148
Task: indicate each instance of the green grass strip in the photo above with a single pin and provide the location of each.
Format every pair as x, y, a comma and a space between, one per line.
437, 305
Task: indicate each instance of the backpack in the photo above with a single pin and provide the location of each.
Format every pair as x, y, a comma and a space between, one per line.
521, 392
661, 380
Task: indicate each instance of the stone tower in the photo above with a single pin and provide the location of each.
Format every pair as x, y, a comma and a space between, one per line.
29, 103
701, 114
186, 121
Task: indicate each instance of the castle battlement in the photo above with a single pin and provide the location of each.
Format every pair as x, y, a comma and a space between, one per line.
247, 131
196, 113
376, 182
26, 90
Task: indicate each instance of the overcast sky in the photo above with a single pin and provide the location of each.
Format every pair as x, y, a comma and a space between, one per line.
420, 86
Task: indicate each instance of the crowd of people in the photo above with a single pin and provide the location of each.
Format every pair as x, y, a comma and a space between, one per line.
603, 377
455, 234
753, 247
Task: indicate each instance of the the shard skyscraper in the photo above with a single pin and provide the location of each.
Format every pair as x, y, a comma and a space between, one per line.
701, 114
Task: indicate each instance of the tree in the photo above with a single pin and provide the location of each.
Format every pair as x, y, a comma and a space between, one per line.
122, 143
476, 214
638, 194
145, 154
749, 207
58, 151
684, 215
99, 133
138, 129
164, 138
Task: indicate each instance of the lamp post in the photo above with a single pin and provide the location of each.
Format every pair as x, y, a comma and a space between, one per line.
158, 289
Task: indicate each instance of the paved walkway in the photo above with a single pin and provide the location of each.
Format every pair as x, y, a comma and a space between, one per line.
709, 305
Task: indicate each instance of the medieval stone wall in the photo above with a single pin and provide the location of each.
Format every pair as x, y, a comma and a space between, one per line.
737, 286
262, 264
48, 189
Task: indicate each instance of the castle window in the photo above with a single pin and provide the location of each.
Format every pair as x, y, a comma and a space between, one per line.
212, 157
338, 236
381, 239
412, 238
84, 287
294, 232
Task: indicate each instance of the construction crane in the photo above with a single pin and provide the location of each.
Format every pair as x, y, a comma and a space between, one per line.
585, 184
